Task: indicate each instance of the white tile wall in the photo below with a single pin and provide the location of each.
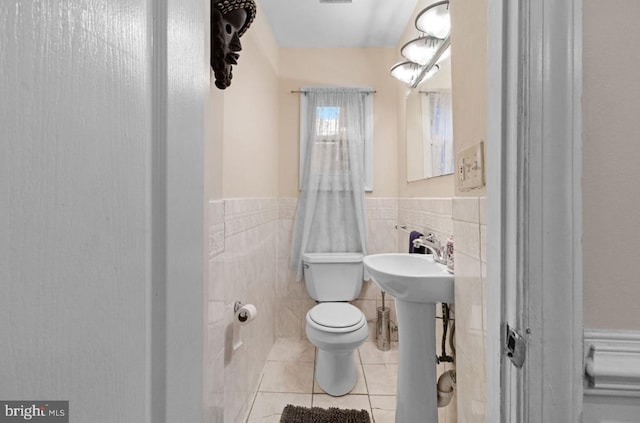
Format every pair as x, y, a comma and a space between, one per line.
424, 214
290, 293
242, 267
469, 230
214, 371
381, 216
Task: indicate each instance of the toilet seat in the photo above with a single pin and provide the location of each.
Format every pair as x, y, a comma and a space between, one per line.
336, 317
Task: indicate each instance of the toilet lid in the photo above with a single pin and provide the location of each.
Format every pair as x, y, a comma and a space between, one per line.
336, 315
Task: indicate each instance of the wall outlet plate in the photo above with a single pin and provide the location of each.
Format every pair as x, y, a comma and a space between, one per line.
470, 168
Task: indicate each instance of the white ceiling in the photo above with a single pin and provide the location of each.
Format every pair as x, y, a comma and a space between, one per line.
362, 23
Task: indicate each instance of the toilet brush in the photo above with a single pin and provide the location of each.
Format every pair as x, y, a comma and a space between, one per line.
383, 329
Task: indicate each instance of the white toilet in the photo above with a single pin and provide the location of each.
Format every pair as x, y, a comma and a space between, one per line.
334, 326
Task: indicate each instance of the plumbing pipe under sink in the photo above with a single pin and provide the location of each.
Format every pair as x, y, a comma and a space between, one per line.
446, 383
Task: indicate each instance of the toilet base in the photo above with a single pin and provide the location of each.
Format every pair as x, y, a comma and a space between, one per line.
335, 372
335, 369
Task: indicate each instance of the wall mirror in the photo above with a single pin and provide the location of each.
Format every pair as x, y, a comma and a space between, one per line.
429, 129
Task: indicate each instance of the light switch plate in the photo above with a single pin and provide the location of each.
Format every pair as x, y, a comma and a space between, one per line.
470, 168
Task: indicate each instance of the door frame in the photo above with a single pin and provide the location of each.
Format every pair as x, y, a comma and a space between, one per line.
179, 77
534, 209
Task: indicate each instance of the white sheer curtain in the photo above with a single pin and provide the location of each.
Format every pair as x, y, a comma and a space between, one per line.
330, 213
441, 133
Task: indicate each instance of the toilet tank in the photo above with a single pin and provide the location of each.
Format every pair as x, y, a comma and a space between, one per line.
333, 276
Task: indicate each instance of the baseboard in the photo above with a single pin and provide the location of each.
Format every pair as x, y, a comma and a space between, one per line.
612, 363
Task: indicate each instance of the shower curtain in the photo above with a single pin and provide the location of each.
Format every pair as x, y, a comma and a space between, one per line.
330, 213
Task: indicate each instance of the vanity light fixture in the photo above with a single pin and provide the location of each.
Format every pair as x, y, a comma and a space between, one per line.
406, 72
432, 71
425, 52
435, 20
420, 50
411, 73
445, 55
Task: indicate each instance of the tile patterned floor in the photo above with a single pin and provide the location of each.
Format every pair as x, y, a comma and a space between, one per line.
288, 379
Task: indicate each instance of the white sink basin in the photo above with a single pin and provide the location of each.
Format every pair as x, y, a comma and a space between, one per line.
417, 282
411, 277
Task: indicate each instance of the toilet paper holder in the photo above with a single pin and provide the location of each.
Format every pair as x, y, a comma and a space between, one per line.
243, 316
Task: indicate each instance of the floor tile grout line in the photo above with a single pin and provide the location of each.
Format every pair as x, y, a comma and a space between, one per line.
366, 385
285, 392
313, 379
255, 395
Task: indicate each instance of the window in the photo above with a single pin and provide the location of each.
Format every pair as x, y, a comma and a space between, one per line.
330, 122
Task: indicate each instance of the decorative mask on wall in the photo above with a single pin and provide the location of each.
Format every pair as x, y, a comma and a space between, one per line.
229, 20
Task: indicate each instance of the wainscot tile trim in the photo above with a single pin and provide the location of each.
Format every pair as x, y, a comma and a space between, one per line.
612, 363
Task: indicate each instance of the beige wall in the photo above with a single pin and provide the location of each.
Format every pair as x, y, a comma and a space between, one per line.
611, 197
214, 125
342, 67
469, 75
242, 155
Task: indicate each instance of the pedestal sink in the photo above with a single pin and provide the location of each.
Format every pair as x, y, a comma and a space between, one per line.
417, 282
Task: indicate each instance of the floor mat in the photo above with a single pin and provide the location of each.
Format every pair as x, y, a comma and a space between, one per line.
296, 414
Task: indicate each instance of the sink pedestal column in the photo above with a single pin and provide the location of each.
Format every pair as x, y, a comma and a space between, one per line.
416, 399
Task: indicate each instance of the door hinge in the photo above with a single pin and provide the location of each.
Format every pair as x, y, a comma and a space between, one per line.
516, 347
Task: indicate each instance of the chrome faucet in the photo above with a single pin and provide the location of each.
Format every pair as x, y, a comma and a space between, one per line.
430, 242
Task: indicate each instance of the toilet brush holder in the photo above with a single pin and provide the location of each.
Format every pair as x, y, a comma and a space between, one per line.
383, 329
